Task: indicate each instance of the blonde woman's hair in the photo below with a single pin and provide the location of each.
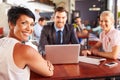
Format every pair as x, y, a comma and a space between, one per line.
107, 13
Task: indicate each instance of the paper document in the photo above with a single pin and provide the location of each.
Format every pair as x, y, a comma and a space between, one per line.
91, 60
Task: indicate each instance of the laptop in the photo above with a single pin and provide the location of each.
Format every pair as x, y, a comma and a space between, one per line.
63, 54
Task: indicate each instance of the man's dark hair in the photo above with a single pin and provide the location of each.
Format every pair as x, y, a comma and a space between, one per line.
60, 9
42, 19
76, 18
16, 11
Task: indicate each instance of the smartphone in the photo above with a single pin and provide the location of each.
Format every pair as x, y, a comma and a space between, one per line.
111, 64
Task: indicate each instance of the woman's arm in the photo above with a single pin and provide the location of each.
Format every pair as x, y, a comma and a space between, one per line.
38, 64
25, 55
113, 54
94, 48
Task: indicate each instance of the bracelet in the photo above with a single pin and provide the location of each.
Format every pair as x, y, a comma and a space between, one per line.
49, 65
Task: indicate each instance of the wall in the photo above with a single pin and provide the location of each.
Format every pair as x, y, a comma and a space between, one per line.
83, 6
3, 17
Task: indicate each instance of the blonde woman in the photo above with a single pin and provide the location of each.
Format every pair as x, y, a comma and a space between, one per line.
109, 38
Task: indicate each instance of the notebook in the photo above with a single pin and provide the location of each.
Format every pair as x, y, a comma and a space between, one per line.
62, 54
91, 59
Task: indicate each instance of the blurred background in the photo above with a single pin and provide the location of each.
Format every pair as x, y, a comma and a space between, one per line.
88, 10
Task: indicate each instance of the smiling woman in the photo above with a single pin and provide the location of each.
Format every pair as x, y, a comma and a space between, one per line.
19, 59
21, 27
108, 40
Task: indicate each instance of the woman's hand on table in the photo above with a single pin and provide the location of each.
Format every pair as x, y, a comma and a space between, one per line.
86, 52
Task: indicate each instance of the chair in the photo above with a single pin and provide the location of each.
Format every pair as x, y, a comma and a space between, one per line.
1, 32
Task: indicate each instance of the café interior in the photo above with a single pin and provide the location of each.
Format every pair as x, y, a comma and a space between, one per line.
88, 10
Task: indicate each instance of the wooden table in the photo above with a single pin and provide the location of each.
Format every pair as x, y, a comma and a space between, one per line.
81, 71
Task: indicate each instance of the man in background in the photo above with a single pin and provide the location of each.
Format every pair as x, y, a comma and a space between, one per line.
38, 28
80, 30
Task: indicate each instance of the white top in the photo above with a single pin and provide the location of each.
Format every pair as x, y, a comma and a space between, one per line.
8, 69
111, 39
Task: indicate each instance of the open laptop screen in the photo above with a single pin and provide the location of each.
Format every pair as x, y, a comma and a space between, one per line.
63, 54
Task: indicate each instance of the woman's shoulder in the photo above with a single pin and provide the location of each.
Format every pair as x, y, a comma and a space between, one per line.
115, 31
23, 49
